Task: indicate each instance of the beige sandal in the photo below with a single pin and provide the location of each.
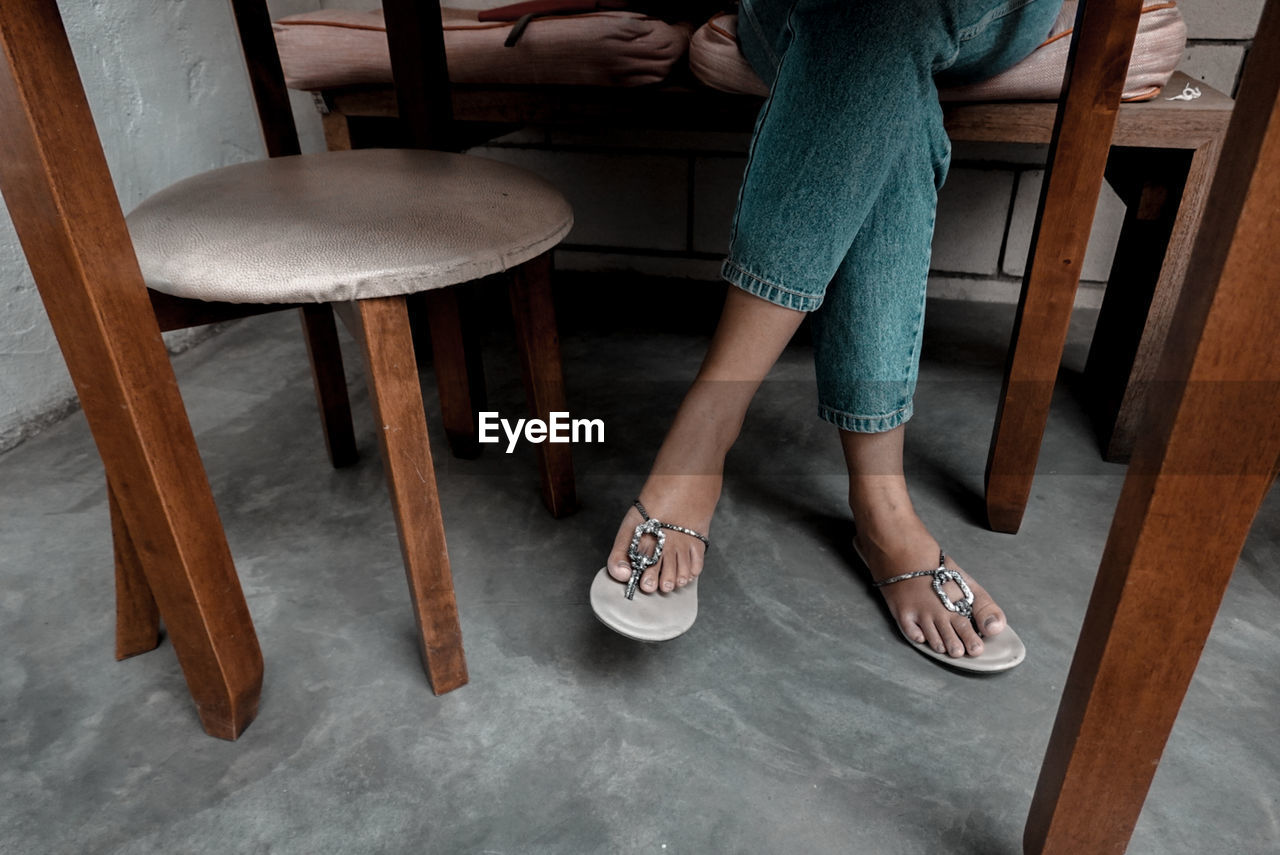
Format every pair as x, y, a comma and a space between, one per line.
660, 616
999, 652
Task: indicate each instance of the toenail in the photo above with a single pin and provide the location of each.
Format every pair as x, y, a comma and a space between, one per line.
667, 586
989, 621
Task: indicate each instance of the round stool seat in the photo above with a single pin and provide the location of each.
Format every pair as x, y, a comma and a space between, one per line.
344, 225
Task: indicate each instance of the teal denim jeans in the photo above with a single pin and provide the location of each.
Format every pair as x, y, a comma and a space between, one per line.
836, 210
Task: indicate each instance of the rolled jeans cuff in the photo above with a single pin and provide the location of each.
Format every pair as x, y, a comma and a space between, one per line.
866, 424
765, 290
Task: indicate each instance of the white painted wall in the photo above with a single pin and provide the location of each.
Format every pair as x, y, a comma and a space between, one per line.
171, 98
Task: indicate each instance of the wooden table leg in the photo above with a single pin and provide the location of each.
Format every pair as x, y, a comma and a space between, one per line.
1163, 214
539, 343
406, 454
1203, 464
63, 204
1086, 117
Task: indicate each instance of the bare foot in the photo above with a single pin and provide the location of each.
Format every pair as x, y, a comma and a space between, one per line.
683, 500
893, 540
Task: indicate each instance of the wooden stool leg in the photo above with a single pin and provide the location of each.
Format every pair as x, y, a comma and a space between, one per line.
1100, 50
406, 454
459, 371
137, 617
539, 345
1202, 467
325, 353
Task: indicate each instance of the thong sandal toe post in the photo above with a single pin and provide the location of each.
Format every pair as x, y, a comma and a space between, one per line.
999, 652
660, 616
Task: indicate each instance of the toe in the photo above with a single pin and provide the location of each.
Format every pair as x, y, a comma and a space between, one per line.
932, 638
952, 642
696, 554
649, 581
986, 614
619, 565
669, 570
911, 628
968, 635
688, 561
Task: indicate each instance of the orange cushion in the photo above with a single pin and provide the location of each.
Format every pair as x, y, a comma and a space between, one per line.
1162, 35
335, 47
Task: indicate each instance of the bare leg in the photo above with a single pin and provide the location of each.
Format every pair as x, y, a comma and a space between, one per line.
684, 485
894, 540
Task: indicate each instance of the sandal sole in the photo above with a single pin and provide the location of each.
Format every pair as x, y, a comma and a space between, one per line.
649, 617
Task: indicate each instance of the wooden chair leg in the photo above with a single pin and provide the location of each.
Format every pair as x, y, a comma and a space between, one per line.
539, 345
324, 351
459, 371
137, 617
406, 453
1151, 264
1086, 117
1202, 467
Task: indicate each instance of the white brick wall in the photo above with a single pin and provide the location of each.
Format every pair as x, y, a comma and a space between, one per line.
972, 208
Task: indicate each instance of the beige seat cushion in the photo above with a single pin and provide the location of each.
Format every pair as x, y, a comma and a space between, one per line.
334, 47
716, 60
344, 225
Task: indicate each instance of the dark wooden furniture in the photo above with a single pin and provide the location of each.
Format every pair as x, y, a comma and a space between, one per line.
1206, 456
1161, 158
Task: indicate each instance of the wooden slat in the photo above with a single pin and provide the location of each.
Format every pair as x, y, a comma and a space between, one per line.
1158, 123
63, 204
1203, 465
180, 313
1096, 65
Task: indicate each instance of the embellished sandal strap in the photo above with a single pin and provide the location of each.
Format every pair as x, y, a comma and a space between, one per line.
942, 565
941, 575
640, 561
672, 527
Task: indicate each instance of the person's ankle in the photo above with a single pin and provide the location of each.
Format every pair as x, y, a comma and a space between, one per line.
879, 497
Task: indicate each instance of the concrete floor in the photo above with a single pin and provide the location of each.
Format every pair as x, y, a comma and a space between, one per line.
790, 719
